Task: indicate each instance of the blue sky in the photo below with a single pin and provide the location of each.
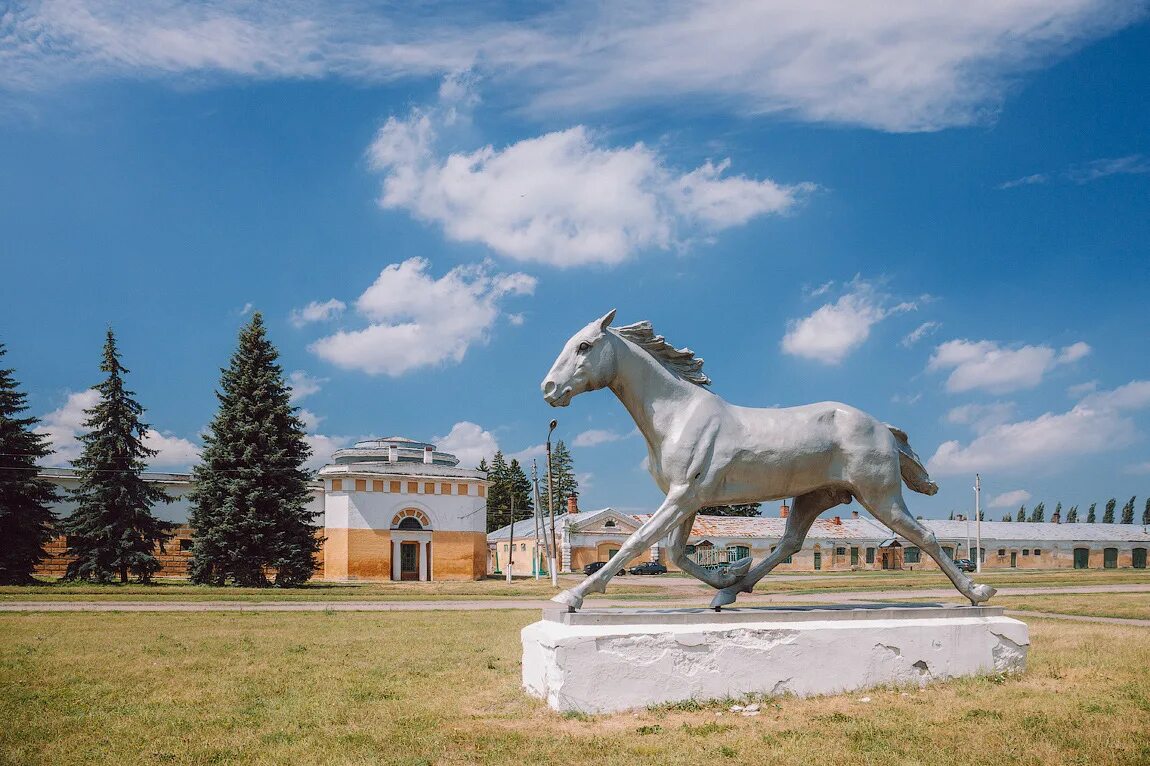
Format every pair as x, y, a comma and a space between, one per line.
939, 214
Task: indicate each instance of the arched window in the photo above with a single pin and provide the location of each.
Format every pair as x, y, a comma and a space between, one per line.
411, 518
410, 523
609, 523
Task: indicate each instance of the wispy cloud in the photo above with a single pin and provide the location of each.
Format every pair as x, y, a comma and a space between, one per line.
596, 436
834, 330
1010, 499
920, 332
898, 67
1132, 164
317, 311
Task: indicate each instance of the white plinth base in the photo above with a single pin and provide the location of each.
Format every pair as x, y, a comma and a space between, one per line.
598, 662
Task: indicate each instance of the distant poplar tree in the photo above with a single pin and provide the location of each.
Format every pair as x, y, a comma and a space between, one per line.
1039, 512
563, 470
1128, 511
1021, 514
250, 511
112, 531
741, 509
1146, 512
1108, 514
1072, 515
1007, 517
25, 499
1090, 515
950, 517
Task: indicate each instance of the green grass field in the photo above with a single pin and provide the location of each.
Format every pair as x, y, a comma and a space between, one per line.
420, 688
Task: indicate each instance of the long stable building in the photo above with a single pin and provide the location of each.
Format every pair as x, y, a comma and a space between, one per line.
835, 543
391, 509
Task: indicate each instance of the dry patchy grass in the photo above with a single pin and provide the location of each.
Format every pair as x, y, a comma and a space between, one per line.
413, 688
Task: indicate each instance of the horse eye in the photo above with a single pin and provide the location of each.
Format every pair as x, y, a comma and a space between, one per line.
584, 346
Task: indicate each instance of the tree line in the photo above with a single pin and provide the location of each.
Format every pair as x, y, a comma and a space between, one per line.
1038, 513
510, 493
250, 519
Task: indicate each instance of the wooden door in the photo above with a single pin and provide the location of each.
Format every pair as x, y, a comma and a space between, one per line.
409, 561
1014, 558
1081, 558
1138, 558
1110, 558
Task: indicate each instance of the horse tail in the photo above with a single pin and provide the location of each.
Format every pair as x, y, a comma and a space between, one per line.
913, 472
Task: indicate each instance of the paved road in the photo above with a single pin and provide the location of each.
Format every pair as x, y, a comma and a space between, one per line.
481, 604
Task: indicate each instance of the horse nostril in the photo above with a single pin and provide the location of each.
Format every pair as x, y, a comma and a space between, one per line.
549, 387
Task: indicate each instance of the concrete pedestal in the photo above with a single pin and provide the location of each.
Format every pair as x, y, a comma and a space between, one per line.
603, 661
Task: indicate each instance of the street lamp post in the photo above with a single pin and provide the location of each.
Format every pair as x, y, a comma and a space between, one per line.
551, 509
978, 523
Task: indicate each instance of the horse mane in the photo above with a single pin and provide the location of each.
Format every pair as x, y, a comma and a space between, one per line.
681, 361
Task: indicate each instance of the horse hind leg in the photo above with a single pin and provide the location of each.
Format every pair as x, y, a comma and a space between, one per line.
805, 509
676, 551
893, 512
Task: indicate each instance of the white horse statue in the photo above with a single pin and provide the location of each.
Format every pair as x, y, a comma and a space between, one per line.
704, 451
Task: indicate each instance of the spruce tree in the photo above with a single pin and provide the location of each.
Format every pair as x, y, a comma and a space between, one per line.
112, 531
521, 490
498, 493
741, 509
250, 504
1128, 511
1039, 512
1021, 513
563, 472
1072, 515
1090, 515
1108, 514
25, 514
1146, 512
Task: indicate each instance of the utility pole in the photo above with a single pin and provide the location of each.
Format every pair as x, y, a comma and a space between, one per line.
511, 552
978, 523
535, 516
551, 510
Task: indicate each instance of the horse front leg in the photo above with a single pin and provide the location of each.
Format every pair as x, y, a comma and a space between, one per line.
718, 579
657, 527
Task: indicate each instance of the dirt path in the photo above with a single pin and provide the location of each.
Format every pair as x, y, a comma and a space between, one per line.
598, 603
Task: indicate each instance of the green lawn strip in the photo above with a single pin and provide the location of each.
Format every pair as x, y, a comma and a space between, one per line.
410, 688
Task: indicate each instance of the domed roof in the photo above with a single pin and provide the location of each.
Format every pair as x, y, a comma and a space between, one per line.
394, 450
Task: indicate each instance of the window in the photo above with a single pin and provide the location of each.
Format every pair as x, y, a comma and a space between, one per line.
429, 488
445, 489
395, 486
736, 552
689, 549
1001, 551
840, 551
522, 546
377, 486
482, 491
361, 485
463, 489
610, 523
412, 523
413, 487
337, 485
1037, 552
912, 555
1025, 551
185, 544
870, 555
787, 560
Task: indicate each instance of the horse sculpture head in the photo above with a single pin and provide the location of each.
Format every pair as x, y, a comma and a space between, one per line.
586, 363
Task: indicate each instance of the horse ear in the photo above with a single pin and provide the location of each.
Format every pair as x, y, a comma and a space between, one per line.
606, 320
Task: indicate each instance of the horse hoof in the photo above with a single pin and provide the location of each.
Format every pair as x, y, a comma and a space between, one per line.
724, 597
980, 593
569, 599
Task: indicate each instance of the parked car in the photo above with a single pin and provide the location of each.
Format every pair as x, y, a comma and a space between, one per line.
649, 568
966, 565
595, 566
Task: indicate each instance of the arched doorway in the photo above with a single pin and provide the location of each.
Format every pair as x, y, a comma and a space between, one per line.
1110, 558
411, 545
1138, 558
1081, 558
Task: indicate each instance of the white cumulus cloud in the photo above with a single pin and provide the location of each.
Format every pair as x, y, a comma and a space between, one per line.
303, 385
596, 436
417, 320
987, 365
469, 442
1010, 499
563, 198
836, 329
317, 311
1098, 423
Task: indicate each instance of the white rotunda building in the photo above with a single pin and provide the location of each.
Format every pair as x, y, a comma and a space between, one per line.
399, 509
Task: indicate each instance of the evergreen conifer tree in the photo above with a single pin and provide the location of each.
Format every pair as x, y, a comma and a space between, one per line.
112, 531
1108, 514
1021, 514
25, 514
1039, 512
741, 509
1072, 515
563, 471
521, 490
498, 493
250, 506
1146, 512
1128, 511
1007, 517
1090, 515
